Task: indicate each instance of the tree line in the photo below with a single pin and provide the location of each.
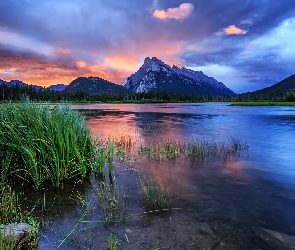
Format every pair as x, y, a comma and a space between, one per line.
29, 92
288, 96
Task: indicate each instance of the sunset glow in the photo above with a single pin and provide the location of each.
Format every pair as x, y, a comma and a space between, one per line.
65, 40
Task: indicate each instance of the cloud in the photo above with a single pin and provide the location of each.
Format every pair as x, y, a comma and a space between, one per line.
248, 21
252, 20
233, 30
248, 75
251, 77
155, 3
110, 39
183, 11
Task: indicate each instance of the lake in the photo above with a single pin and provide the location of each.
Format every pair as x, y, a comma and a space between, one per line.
216, 203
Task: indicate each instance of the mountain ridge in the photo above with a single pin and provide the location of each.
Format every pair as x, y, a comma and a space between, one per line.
155, 75
278, 89
94, 85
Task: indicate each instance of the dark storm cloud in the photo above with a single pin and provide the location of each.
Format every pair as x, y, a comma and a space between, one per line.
15, 52
113, 24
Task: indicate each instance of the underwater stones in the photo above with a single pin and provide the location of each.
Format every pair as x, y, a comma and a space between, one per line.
275, 239
19, 233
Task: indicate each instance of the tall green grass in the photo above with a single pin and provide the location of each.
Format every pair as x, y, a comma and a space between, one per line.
38, 143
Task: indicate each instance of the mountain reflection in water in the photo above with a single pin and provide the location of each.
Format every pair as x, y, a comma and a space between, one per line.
219, 200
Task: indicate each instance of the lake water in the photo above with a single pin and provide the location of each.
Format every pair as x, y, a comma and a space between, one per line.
217, 203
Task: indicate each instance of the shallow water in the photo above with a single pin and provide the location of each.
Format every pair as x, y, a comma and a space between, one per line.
215, 204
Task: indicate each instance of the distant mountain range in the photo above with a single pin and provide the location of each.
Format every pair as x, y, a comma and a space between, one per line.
95, 85
12, 82
58, 87
155, 75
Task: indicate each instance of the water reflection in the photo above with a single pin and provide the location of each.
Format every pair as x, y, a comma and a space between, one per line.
233, 194
268, 130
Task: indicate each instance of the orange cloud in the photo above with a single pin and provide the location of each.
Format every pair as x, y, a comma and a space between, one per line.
125, 63
62, 51
233, 30
81, 64
183, 11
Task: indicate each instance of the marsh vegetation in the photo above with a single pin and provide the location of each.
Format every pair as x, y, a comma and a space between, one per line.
43, 147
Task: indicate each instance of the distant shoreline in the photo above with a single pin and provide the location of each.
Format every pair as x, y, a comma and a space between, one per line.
265, 103
246, 103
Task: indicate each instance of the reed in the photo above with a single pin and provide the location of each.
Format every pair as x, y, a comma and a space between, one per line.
113, 242
7, 243
157, 129
199, 150
125, 138
112, 204
195, 150
38, 143
155, 198
110, 157
11, 212
99, 160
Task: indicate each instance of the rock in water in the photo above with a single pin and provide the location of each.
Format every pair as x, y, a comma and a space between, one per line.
19, 232
275, 239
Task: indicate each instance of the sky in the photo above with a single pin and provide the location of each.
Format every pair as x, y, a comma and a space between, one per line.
246, 44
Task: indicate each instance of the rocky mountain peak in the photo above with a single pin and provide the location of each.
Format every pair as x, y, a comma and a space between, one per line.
153, 60
154, 64
155, 75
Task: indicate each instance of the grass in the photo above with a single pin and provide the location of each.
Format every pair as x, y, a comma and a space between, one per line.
39, 144
113, 242
155, 198
199, 150
169, 149
99, 161
10, 212
126, 138
195, 150
150, 128
262, 103
112, 204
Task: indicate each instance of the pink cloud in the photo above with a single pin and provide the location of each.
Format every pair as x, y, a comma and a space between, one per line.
233, 30
183, 11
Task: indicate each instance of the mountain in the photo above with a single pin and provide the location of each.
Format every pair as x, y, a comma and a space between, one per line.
13, 82
95, 85
277, 90
57, 87
155, 75
19, 83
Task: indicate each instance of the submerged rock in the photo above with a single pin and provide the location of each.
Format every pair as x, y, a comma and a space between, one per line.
19, 233
275, 239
